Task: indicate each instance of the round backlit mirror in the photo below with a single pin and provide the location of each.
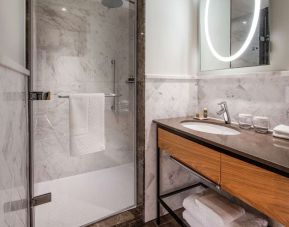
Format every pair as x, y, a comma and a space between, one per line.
247, 42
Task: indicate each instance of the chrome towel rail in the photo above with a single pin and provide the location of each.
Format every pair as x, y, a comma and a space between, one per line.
109, 95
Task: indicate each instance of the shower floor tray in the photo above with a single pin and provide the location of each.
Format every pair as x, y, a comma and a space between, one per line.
85, 198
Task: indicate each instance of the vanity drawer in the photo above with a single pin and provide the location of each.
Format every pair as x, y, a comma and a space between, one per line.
260, 188
199, 158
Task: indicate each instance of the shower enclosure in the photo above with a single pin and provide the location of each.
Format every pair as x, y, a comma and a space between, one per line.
82, 46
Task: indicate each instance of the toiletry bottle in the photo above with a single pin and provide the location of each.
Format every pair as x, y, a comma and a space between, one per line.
205, 113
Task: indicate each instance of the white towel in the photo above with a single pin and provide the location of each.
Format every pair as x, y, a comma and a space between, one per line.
247, 220
281, 131
219, 209
193, 222
250, 220
193, 209
87, 123
189, 203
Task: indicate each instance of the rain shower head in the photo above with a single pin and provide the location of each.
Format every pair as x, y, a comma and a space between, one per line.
112, 3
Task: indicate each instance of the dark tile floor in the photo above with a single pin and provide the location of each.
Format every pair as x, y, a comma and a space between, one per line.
129, 219
171, 223
166, 221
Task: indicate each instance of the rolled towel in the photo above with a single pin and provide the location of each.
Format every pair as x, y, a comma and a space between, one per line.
281, 131
218, 210
191, 220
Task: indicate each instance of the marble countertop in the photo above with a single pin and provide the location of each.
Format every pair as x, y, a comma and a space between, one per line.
264, 149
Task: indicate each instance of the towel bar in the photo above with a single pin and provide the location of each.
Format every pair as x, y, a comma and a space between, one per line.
110, 95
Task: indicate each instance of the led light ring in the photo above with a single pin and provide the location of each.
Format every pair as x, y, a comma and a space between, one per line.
246, 43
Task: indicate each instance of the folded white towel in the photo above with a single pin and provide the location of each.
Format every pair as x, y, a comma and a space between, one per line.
279, 135
250, 220
191, 205
281, 131
87, 129
218, 209
191, 220
190, 201
247, 220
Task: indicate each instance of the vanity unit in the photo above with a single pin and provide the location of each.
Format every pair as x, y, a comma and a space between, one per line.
249, 166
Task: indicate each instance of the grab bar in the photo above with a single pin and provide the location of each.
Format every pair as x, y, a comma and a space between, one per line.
109, 95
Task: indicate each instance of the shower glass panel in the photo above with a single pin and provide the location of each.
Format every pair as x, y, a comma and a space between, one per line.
83, 46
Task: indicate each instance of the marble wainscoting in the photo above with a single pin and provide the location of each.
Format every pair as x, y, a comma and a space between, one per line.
165, 98
75, 43
14, 145
260, 94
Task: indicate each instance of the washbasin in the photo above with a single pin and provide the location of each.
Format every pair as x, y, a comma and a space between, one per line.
210, 128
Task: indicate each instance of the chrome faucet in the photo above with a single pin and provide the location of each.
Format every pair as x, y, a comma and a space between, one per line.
225, 112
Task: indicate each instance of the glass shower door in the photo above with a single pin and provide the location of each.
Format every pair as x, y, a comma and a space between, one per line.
83, 47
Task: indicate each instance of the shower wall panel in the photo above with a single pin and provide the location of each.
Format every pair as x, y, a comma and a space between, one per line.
14, 145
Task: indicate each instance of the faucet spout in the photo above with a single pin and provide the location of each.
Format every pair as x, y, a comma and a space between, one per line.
220, 112
225, 112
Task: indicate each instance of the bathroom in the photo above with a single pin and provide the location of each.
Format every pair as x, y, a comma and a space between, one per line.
119, 112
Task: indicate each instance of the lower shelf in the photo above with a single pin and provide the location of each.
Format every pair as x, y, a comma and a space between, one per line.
176, 215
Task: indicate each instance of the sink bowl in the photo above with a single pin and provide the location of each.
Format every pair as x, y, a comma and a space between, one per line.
210, 128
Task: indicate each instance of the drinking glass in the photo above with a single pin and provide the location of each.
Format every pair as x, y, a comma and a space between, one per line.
261, 124
245, 121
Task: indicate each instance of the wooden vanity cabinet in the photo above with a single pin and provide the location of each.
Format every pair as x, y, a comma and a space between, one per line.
268, 192
197, 157
264, 190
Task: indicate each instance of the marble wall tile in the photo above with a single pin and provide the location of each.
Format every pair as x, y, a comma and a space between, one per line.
13, 149
262, 94
164, 99
74, 48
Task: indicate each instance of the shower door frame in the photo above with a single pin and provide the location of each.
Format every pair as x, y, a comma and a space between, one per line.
138, 205
29, 65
